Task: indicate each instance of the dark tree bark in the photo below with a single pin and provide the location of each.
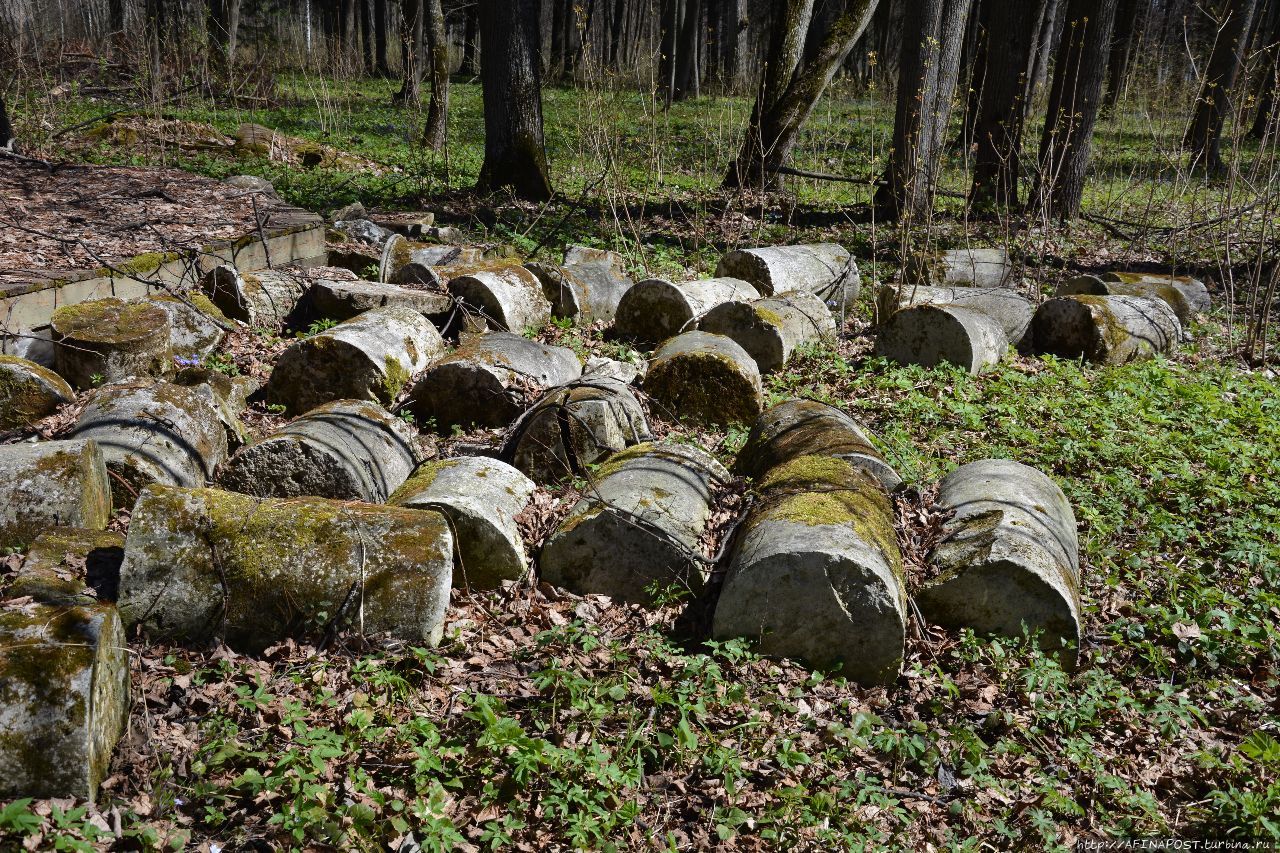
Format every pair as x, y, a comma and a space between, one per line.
1128, 14
998, 129
380, 65
733, 24
115, 16
974, 70
1269, 78
6, 129
671, 13
411, 58
686, 71
1046, 44
154, 26
438, 49
514, 154
555, 63
364, 19
470, 35
930, 62
1074, 99
789, 90
618, 18
1204, 136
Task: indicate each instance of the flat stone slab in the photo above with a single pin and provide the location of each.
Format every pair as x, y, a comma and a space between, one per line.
342, 300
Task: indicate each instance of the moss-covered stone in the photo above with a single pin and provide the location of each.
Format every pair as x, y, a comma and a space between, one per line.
706, 379
109, 340
69, 566
29, 392
51, 484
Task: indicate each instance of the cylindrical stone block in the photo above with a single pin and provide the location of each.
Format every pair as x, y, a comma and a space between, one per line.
342, 300
197, 327
64, 699
159, 433
109, 340
826, 270
705, 379
817, 575
406, 262
1105, 329
1010, 309
1186, 296
481, 498
655, 309
369, 357
931, 334
965, 267
509, 299
636, 530
29, 392
772, 328
489, 381
574, 427
345, 450
263, 299
1009, 556
808, 428
202, 564
51, 484
584, 292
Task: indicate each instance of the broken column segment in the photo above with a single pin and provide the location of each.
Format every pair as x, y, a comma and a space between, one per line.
1187, 296
929, 335
29, 392
816, 574
965, 267
826, 270
587, 287
772, 328
574, 427
342, 300
369, 357
406, 262
196, 325
488, 381
51, 484
203, 564
346, 450
263, 299
64, 698
1011, 310
481, 498
506, 298
109, 340
808, 428
1105, 329
1009, 556
636, 530
706, 379
155, 433
656, 309
69, 566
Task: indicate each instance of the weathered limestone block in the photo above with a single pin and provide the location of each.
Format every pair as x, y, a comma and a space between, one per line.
230, 398
405, 262
69, 566
342, 300
590, 255
252, 184
1105, 329
585, 291
110, 340
508, 299
1010, 309
346, 450
817, 574
51, 484
576, 426
705, 378
155, 433
966, 267
772, 328
196, 329
655, 309
931, 334
637, 528
362, 230
1187, 296
202, 564
808, 428
1009, 556
826, 270
481, 497
489, 380
29, 392
64, 698
264, 299
369, 357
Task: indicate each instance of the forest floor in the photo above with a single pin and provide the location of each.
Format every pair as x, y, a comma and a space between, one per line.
546, 721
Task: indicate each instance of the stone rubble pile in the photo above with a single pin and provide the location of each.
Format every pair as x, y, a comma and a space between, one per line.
334, 521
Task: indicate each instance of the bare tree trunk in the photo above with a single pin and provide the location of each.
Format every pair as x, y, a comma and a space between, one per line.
469, 37
115, 16
615, 32
555, 62
514, 154
932, 34
6, 129
1073, 108
733, 24
155, 34
411, 26
789, 91
1046, 44
975, 42
686, 71
364, 18
670, 15
1128, 14
998, 130
438, 47
1267, 79
584, 35
380, 65
1204, 136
